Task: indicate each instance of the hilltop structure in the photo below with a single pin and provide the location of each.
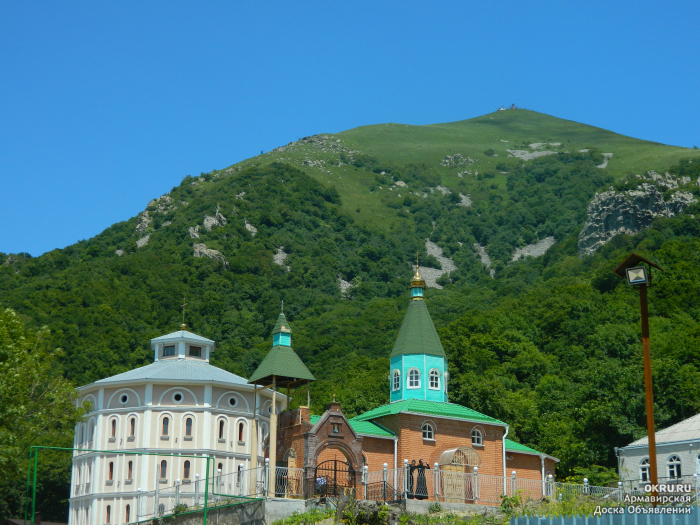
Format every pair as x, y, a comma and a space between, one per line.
179, 404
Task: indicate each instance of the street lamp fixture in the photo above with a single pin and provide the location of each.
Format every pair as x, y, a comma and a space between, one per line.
637, 275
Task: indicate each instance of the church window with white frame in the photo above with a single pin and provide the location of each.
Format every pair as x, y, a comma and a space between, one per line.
644, 470
396, 381
241, 432
163, 469
413, 378
674, 467
166, 425
221, 429
188, 427
477, 437
428, 432
132, 427
434, 376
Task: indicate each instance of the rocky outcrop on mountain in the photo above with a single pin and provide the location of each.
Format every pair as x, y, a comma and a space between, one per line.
537, 249
431, 275
252, 229
457, 160
201, 250
144, 221
217, 220
484, 258
143, 241
162, 203
611, 213
280, 257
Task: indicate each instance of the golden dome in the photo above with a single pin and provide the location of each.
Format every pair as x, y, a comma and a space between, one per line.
417, 280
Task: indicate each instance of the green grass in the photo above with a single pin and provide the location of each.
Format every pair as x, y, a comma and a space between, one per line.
401, 144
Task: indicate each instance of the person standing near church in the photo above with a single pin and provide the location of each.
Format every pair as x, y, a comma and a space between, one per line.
421, 485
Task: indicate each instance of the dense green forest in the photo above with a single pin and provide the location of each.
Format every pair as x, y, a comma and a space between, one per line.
550, 344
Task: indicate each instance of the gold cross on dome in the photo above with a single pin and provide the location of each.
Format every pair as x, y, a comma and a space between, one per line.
417, 255
184, 303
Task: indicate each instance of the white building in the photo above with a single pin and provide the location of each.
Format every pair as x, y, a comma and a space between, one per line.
179, 404
677, 456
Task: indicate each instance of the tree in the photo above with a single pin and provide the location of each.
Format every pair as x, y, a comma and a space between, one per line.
37, 408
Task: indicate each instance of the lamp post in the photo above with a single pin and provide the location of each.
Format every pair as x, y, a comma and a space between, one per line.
638, 275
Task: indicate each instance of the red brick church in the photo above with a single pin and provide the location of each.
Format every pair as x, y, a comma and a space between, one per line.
419, 423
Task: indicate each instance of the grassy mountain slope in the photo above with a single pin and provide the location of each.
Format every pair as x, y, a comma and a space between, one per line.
549, 344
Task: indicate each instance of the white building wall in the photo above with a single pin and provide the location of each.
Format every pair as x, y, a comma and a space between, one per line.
630, 459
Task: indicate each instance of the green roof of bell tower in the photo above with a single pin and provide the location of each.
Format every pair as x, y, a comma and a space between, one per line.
417, 334
281, 326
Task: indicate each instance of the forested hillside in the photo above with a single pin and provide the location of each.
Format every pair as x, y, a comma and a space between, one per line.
550, 344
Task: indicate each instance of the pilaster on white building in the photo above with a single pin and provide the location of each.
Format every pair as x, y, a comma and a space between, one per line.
179, 404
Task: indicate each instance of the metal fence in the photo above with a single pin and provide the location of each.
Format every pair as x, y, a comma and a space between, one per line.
387, 485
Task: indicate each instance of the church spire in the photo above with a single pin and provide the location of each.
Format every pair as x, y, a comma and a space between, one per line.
417, 284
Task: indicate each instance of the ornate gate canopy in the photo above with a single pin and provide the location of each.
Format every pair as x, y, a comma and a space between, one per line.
462, 456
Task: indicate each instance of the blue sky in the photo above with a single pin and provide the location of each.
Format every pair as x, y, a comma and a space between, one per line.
106, 105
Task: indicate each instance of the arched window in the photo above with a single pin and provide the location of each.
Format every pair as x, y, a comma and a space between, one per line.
132, 427
130, 470
91, 431
111, 471
221, 429
221, 468
80, 434
428, 431
414, 378
477, 438
186, 470
396, 382
128, 514
114, 428
109, 514
674, 467
434, 379
188, 427
644, 470
166, 423
241, 428
163, 469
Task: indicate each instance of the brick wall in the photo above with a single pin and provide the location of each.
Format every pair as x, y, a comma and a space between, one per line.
526, 466
377, 452
291, 427
448, 434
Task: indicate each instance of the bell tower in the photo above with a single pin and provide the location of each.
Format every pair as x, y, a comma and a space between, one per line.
418, 367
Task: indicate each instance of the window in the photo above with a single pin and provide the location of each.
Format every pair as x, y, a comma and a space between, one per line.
130, 470
414, 378
178, 397
477, 438
221, 429
674, 467
221, 468
186, 471
114, 428
644, 470
109, 514
168, 351
91, 431
163, 469
434, 379
188, 427
240, 432
428, 431
132, 427
111, 471
232, 401
195, 351
396, 383
123, 399
166, 423
128, 514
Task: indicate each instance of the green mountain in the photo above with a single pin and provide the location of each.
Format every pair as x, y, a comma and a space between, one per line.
331, 225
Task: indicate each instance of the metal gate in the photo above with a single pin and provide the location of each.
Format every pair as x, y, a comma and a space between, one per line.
333, 478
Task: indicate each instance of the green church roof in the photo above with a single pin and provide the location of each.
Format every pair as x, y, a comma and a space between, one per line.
282, 362
430, 408
518, 447
369, 428
281, 326
417, 334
